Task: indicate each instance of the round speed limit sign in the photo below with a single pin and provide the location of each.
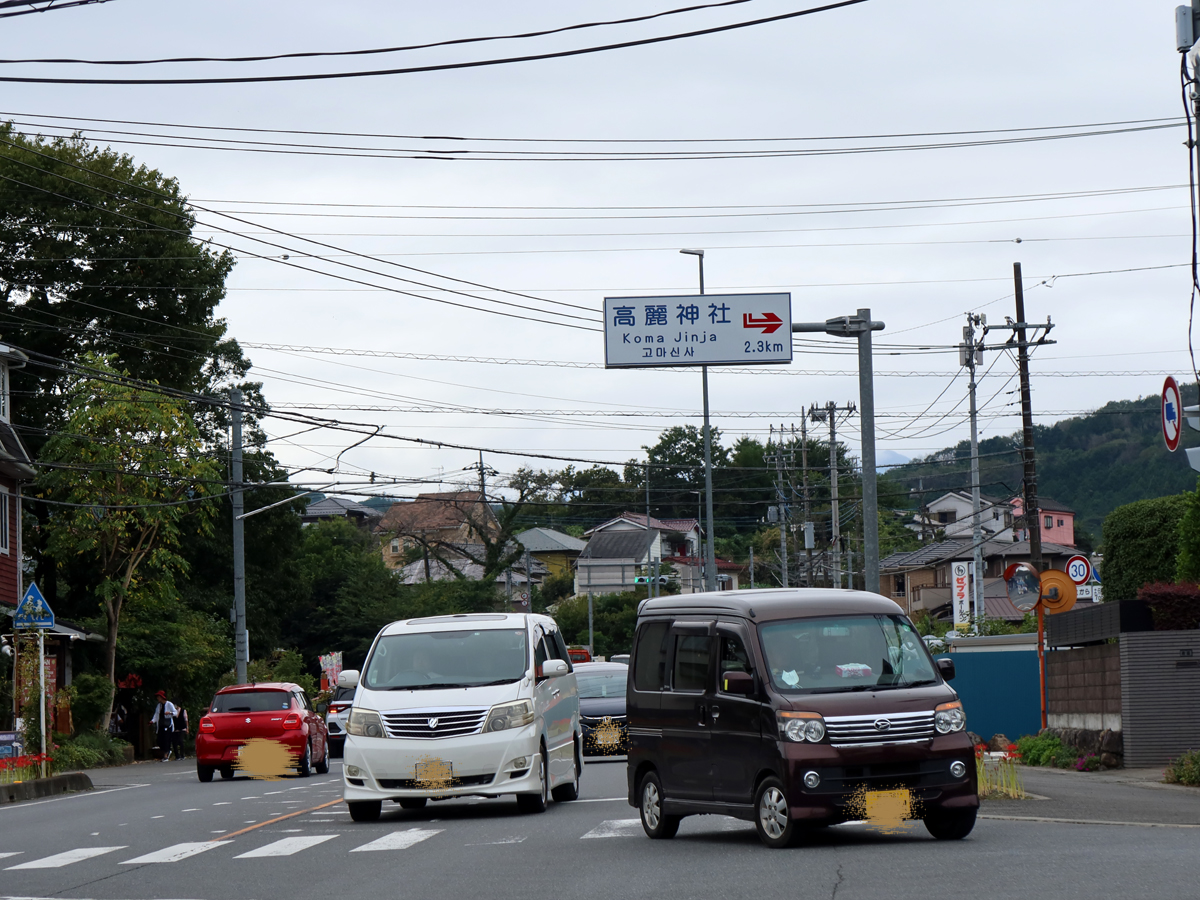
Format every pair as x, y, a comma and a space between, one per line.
1079, 569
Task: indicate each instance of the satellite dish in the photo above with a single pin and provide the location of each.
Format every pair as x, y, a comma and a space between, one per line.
1024, 586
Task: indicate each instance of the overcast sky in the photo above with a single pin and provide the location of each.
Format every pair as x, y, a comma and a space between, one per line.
882, 67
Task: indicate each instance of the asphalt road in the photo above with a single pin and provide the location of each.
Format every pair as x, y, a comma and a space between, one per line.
152, 832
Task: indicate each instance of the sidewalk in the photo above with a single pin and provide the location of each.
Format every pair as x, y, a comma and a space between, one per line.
1114, 796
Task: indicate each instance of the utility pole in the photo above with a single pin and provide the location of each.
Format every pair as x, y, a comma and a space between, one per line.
710, 560
808, 527
528, 581
1032, 522
752, 567
972, 356
783, 549
241, 642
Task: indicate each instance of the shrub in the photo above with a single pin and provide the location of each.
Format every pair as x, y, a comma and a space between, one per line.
93, 694
1176, 607
1043, 750
1089, 763
1184, 769
87, 750
1141, 541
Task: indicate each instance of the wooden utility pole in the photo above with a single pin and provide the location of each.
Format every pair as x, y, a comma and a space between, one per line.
1032, 523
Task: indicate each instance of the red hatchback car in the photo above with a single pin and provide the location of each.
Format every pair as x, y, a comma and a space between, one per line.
277, 712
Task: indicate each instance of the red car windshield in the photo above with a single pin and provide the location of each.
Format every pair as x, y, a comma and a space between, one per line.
251, 701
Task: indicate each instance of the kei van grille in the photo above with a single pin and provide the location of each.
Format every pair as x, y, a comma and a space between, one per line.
900, 728
431, 724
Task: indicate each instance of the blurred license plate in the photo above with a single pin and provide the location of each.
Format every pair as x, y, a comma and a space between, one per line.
608, 738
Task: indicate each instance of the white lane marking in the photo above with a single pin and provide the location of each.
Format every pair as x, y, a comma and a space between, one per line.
269, 793
614, 828
11, 853
158, 817
399, 840
193, 809
175, 853
223, 803
511, 840
604, 800
287, 846
58, 860
74, 796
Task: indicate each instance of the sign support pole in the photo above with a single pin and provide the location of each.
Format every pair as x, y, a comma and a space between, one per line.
241, 640
1041, 611
42, 692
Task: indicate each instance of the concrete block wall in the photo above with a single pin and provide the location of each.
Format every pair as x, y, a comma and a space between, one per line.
1083, 688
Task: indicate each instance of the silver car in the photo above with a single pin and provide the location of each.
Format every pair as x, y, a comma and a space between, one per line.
335, 718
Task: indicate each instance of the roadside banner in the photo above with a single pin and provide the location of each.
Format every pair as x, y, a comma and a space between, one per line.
960, 594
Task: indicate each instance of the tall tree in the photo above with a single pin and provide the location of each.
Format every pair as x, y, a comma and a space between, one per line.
121, 476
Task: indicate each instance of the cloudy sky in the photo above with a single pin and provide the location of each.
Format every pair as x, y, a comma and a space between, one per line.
920, 236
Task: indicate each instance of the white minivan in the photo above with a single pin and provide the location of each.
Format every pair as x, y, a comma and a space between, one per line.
447, 706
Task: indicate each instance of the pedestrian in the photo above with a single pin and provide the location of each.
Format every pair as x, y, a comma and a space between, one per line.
164, 724
179, 735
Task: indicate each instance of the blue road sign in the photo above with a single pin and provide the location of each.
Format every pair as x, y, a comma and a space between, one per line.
33, 611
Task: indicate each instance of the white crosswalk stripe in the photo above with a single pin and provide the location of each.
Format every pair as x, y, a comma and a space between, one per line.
11, 853
58, 860
175, 853
399, 840
614, 828
287, 846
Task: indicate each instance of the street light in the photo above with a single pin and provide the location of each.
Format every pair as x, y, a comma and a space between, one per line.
710, 567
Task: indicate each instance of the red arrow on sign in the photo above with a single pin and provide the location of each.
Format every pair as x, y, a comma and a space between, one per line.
769, 322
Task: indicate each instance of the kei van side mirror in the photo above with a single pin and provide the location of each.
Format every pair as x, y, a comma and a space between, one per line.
553, 668
737, 683
348, 678
946, 668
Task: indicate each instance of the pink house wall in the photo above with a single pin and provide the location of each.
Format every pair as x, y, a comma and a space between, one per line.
1060, 531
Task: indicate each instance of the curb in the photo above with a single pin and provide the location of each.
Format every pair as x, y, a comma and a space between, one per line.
44, 787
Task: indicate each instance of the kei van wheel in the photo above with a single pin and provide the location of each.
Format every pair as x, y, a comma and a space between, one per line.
536, 803
772, 819
950, 825
365, 810
657, 824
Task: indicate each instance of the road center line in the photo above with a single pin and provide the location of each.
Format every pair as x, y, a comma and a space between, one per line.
298, 812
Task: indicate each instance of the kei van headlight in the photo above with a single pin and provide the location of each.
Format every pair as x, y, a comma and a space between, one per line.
365, 723
801, 726
949, 717
509, 715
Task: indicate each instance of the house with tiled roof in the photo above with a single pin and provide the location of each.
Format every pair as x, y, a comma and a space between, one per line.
676, 537
919, 580
433, 522
553, 549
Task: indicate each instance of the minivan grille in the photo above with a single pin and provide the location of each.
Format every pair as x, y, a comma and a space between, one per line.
430, 724
890, 728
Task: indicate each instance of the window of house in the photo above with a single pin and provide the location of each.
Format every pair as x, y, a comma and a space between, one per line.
4, 515
946, 517
395, 545
1049, 521
1060, 523
898, 586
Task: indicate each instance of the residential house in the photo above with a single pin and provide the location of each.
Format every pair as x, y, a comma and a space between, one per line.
553, 549
1057, 521
459, 562
919, 580
434, 523
338, 507
676, 537
613, 559
951, 515
690, 570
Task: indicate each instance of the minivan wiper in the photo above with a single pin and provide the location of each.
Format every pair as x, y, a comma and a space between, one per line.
853, 689
427, 687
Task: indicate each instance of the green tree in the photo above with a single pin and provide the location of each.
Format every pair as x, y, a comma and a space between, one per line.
1141, 543
122, 476
1187, 567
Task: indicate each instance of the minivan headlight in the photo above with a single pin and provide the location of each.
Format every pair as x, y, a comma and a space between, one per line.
801, 726
949, 717
509, 715
365, 723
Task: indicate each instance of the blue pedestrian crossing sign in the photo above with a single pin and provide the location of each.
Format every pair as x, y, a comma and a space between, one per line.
33, 611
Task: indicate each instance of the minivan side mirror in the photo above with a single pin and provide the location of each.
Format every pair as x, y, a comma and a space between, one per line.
737, 683
946, 668
553, 668
348, 678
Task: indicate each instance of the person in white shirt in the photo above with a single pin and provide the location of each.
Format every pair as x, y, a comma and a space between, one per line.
164, 724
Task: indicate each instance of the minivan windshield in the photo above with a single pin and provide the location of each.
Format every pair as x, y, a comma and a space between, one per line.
845, 653
447, 659
598, 685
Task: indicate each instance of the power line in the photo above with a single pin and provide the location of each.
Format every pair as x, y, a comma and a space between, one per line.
49, 5
442, 67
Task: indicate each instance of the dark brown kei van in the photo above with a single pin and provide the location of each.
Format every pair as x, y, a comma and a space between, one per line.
793, 709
